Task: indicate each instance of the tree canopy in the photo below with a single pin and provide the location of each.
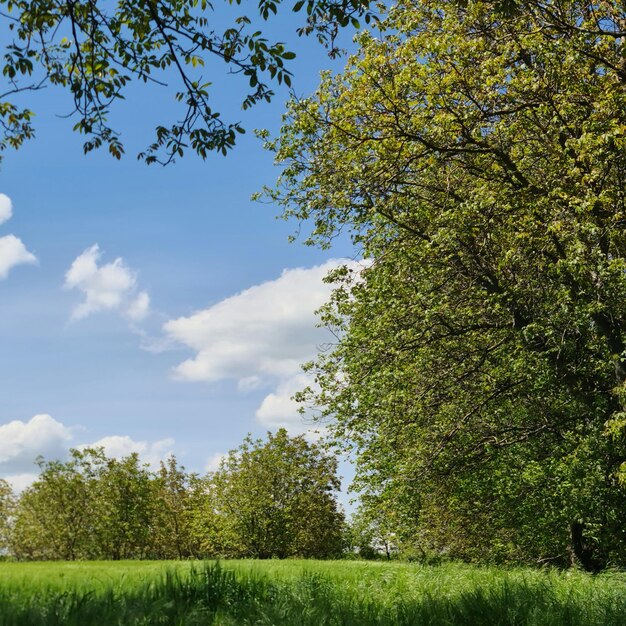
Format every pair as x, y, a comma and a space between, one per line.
7, 502
96, 49
476, 154
274, 498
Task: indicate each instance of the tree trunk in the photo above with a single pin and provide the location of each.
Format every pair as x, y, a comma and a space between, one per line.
582, 550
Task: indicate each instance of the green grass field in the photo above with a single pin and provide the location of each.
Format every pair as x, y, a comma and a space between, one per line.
303, 593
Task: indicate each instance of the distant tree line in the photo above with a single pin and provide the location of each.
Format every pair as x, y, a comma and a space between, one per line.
268, 499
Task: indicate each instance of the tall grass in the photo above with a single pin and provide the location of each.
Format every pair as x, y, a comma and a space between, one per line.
317, 594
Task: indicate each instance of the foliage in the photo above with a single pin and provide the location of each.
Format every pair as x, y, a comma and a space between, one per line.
176, 496
96, 49
123, 504
275, 499
373, 530
476, 154
54, 516
269, 499
7, 504
90, 506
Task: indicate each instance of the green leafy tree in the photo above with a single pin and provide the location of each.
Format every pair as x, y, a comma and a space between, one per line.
172, 522
90, 506
124, 503
275, 499
7, 507
476, 152
373, 531
96, 49
53, 518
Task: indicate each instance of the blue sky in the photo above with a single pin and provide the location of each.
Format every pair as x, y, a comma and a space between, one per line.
214, 353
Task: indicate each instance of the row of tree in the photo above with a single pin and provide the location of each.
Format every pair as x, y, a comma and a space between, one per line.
268, 499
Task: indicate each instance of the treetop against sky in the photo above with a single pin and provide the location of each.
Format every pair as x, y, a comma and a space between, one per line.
152, 309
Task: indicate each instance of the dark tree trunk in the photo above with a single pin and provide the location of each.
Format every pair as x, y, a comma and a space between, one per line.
583, 552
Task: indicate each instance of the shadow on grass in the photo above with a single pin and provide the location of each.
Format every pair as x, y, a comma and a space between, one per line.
212, 595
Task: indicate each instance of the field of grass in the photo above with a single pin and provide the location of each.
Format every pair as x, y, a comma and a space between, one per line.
303, 593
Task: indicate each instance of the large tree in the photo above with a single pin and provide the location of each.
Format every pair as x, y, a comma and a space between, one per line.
95, 49
476, 152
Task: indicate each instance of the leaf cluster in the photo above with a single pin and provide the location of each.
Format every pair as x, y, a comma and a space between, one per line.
95, 49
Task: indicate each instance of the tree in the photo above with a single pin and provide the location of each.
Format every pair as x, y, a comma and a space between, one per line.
123, 499
275, 499
53, 517
476, 153
89, 507
7, 505
174, 502
95, 50
373, 530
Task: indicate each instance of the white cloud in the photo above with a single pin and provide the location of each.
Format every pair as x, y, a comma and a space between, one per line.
22, 442
214, 462
19, 482
260, 336
13, 252
107, 287
6, 208
118, 446
250, 383
278, 408
139, 307
262, 333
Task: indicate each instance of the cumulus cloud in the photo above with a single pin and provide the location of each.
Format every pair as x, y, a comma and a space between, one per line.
6, 208
264, 332
22, 442
259, 337
105, 287
214, 462
19, 482
119, 446
139, 307
12, 250
278, 408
